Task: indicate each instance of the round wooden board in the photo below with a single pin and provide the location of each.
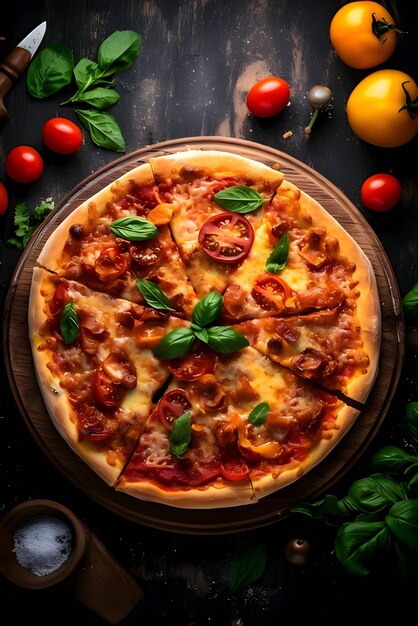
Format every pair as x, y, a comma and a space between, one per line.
271, 508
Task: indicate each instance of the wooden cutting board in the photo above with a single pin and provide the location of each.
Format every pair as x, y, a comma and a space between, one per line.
271, 508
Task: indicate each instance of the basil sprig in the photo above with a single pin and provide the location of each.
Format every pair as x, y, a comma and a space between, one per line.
69, 325
259, 413
379, 514
181, 434
153, 295
222, 339
278, 257
134, 228
239, 199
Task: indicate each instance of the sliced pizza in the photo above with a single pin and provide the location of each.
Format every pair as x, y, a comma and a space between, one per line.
95, 365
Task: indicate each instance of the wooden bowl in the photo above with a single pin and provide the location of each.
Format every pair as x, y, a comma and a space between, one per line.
15, 519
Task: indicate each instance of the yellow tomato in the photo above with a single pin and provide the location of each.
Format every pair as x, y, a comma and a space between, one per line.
363, 34
382, 108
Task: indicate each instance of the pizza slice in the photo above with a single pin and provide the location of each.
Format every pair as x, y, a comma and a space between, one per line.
118, 236
329, 347
214, 241
95, 365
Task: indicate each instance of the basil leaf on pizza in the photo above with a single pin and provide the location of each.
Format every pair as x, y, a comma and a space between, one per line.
134, 228
154, 295
239, 199
259, 413
175, 343
278, 257
225, 339
202, 334
207, 310
69, 325
181, 434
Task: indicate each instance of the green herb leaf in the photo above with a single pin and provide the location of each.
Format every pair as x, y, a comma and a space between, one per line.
248, 568
99, 97
413, 486
24, 228
278, 257
134, 228
43, 210
259, 413
118, 51
181, 434
239, 199
225, 339
207, 310
175, 343
402, 521
153, 295
376, 493
85, 73
202, 334
50, 71
410, 304
412, 420
103, 128
69, 325
393, 460
358, 545
318, 510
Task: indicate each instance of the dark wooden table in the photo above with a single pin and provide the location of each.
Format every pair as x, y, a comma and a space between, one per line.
198, 60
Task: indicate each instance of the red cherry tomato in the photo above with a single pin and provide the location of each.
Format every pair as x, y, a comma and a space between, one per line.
234, 469
106, 392
268, 97
4, 199
193, 365
171, 406
62, 136
24, 164
380, 192
226, 237
110, 264
147, 252
271, 293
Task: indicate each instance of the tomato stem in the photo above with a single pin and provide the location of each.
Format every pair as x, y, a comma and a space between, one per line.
312, 122
380, 27
410, 105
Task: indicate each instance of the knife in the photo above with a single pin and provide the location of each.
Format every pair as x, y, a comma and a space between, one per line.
17, 62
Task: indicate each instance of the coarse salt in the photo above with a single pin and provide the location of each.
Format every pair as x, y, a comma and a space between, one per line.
42, 544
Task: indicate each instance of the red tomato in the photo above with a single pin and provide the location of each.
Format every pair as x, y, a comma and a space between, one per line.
271, 292
268, 97
62, 136
147, 252
226, 237
193, 365
110, 264
24, 164
234, 469
171, 406
106, 391
380, 192
4, 199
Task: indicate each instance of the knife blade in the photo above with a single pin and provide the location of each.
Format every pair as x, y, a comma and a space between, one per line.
16, 63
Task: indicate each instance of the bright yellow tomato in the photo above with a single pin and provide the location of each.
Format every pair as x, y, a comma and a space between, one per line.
363, 34
375, 108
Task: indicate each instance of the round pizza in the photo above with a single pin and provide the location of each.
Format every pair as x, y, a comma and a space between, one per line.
203, 332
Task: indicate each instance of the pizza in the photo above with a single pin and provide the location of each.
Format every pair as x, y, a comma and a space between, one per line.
203, 332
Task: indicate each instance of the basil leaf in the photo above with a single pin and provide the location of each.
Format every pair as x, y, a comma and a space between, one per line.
359, 544
239, 199
412, 420
248, 568
134, 228
153, 295
118, 51
69, 323
103, 128
406, 561
50, 71
402, 521
181, 434
413, 486
393, 460
85, 73
202, 334
207, 310
259, 413
410, 304
278, 257
225, 339
317, 510
175, 343
376, 493
98, 97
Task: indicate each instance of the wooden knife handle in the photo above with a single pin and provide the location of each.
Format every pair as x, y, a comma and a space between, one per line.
10, 70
